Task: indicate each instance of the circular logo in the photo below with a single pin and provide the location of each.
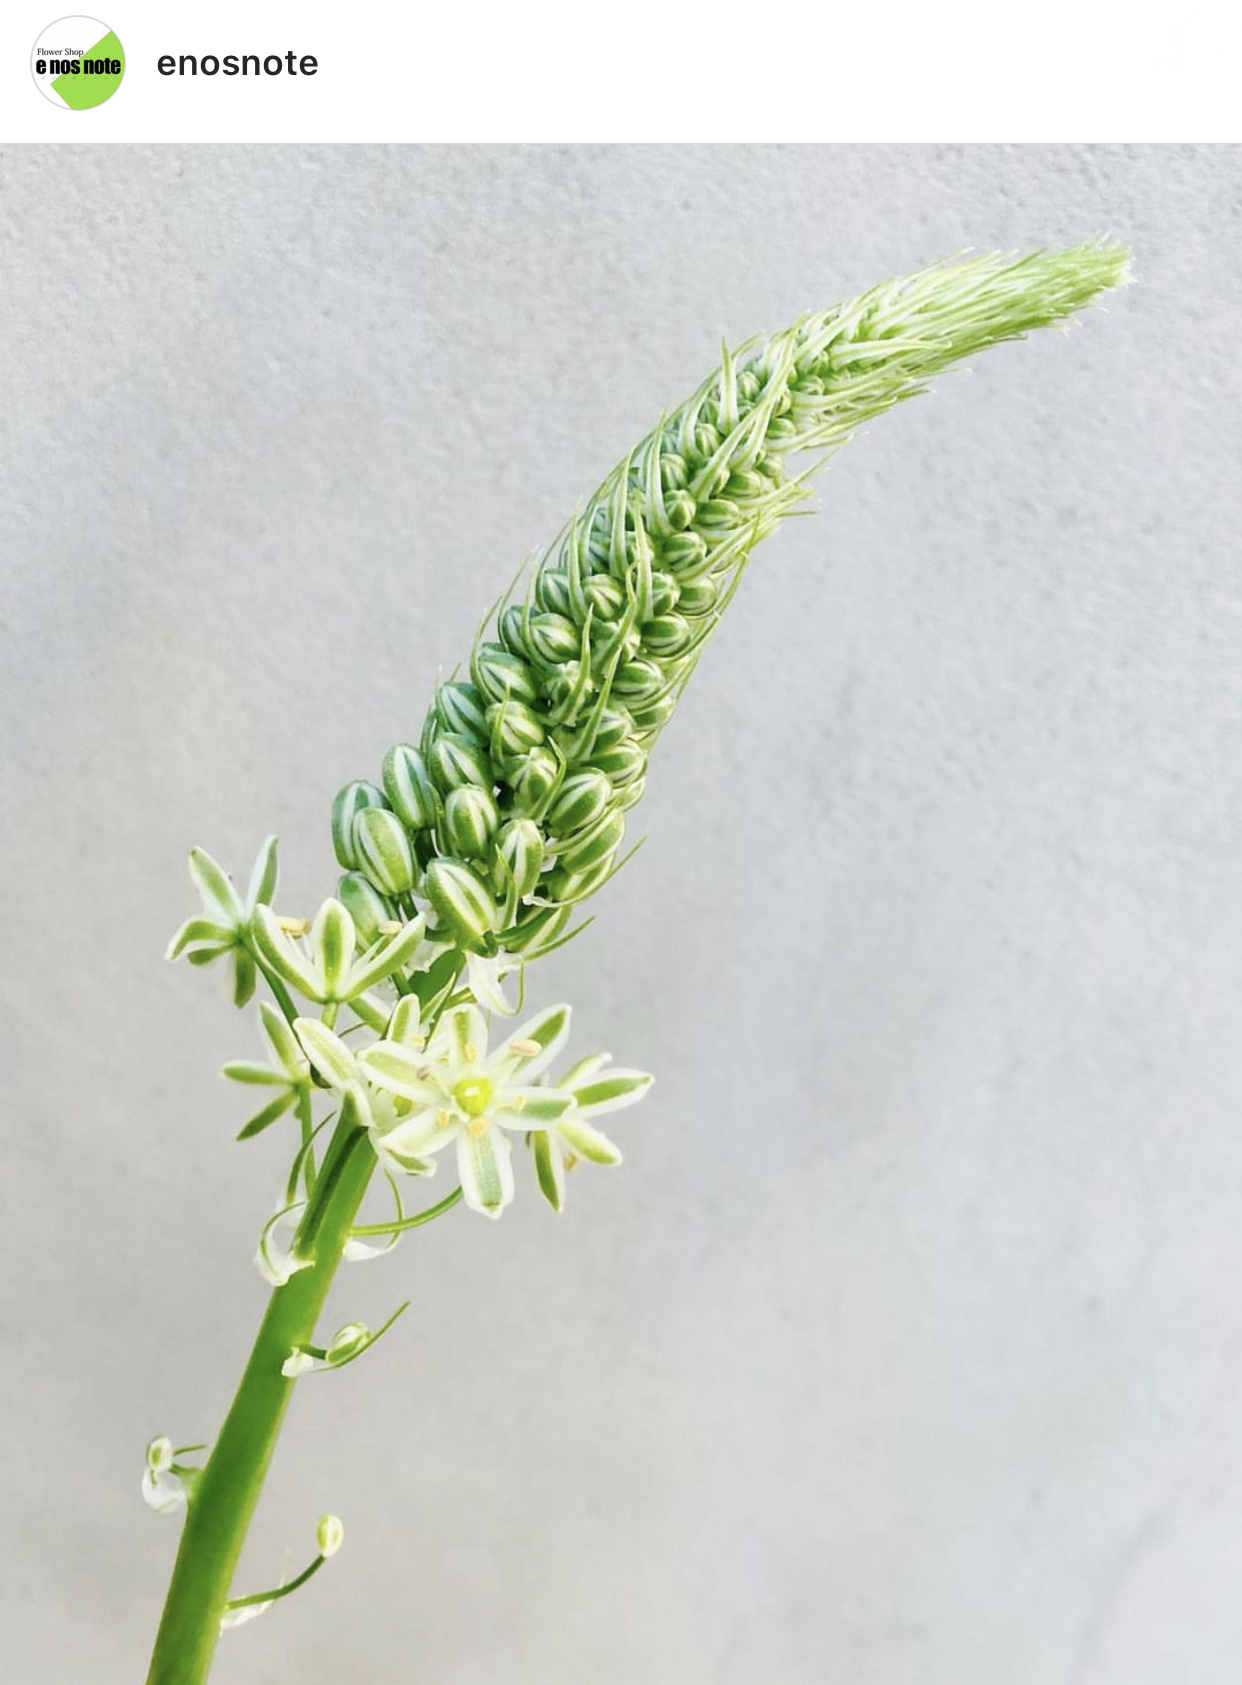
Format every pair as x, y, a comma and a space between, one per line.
77, 62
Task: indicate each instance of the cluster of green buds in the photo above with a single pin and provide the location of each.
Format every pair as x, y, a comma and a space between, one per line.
511, 808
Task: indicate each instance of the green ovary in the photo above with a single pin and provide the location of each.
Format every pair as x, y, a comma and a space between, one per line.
473, 1095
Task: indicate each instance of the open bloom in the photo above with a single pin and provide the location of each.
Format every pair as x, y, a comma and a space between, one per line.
594, 1088
464, 1096
224, 927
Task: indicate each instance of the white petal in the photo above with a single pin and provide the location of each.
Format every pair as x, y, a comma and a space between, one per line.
610, 1091
400, 1069
462, 1035
485, 975
549, 1167
531, 1108
162, 1490
327, 1052
591, 1143
485, 1166
239, 1617
276, 1260
550, 1029
215, 887
299, 1362
358, 1251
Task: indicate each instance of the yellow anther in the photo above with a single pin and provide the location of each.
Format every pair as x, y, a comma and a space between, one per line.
443, 1119
570, 1160
518, 1102
389, 927
471, 1052
292, 927
526, 1047
478, 1128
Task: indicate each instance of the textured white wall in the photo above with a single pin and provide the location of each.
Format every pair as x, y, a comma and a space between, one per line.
908, 1344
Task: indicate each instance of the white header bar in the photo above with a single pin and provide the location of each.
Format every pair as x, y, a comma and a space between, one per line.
548, 70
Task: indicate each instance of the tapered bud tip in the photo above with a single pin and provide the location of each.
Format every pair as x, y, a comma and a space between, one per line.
347, 1342
160, 1454
330, 1534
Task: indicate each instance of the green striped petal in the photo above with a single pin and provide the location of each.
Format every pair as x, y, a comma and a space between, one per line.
399, 1069
263, 876
332, 943
390, 956
196, 931
485, 1166
532, 1108
610, 1091
549, 1030
591, 1143
283, 955
215, 887
549, 1168
327, 1053
282, 1041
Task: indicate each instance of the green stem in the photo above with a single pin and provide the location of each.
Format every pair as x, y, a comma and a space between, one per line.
225, 1498
279, 1591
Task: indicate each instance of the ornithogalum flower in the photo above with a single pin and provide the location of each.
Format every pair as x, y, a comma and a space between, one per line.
507, 809
224, 929
464, 1096
596, 1086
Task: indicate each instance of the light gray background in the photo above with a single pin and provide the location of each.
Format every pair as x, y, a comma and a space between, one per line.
907, 1346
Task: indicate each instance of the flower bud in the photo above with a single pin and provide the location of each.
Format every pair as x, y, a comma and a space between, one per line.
365, 905
744, 484
552, 639
329, 1535
697, 598
513, 731
606, 596
749, 386
664, 593
383, 850
470, 820
461, 900
718, 514
627, 794
654, 715
615, 726
411, 794
459, 709
534, 781
587, 848
537, 930
581, 799
454, 761
519, 844
621, 764
512, 632
348, 804
668, 634
679, 508
706, 442
347, 1342
552, 591
638, 682
566, 889
684, 553
603, 653
673, 474
500, 673
160, 1454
